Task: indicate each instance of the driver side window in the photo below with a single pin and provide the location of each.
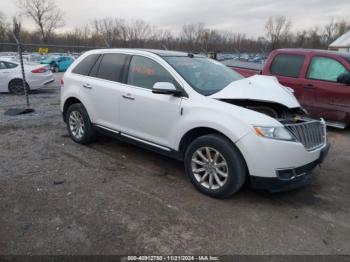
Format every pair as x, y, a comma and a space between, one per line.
144, 72
325, 69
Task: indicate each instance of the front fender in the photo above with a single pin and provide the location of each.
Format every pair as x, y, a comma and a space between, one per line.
232, 128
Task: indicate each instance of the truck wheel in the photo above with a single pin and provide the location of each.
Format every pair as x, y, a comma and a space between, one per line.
79, 125
215, 166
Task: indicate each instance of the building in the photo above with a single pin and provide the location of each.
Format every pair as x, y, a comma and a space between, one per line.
342, 44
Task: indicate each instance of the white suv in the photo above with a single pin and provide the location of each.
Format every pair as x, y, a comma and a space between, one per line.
226, 129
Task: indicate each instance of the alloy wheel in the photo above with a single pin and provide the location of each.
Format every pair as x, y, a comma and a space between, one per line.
210, 168
76, 124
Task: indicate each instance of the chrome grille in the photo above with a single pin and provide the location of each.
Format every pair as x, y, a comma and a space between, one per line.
311, 134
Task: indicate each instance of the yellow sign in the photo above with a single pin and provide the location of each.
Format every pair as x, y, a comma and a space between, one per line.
43, 50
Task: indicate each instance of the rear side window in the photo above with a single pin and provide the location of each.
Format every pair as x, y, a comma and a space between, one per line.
326, 69
287, 65
84, 67
10, 65
111, 67
145, 72
94, 69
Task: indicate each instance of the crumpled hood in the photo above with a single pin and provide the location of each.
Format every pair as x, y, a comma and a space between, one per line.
259, 88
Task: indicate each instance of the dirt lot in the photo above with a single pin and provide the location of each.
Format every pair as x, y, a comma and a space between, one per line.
58, 197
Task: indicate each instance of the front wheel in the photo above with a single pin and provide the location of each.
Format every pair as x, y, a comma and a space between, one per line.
215, 166
79, 125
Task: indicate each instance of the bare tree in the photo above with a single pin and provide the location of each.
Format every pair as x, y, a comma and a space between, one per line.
237, 40
138, 31
277, 30
330, 31
106, 29
46, 15
335, 29
3, 27
314, 37
164, 38
115, 32
191, 35
342, 26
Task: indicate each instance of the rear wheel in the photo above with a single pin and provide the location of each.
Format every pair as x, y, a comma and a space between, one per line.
215, 166
16, 87
54, 68
79, 125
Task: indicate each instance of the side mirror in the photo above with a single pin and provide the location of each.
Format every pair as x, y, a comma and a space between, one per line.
344, 78
165, 88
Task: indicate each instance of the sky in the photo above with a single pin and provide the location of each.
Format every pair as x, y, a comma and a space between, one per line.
244, 16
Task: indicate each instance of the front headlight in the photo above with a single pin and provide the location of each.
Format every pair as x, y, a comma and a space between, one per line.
279, 133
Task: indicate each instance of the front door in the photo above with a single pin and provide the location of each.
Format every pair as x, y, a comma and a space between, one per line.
143, 114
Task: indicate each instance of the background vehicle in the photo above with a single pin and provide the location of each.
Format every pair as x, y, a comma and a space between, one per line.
225, 128
32, 57
314, 75
58, 63
37, 76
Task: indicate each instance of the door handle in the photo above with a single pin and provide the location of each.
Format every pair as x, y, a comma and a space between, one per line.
128, 96
88, 86
309, 86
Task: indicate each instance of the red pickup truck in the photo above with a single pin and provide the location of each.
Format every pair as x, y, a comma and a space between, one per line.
320, 79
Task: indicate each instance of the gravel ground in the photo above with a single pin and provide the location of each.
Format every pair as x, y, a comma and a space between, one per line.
58, 197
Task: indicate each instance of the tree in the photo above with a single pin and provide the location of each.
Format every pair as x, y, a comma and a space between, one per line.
342, 27
3, 27
138, 31
277, 30
106, 28
335, 29
46, 15
330, 31
237, 39
191, 35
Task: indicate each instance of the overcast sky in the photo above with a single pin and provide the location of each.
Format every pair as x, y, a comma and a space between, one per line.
245, 16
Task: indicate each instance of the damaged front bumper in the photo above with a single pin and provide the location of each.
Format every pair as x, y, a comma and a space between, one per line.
288, 179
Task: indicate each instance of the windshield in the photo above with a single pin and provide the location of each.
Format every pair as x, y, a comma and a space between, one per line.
205, 75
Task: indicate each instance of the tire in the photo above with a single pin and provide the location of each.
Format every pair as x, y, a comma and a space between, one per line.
16, 87
54, 68
229, 162
81, 131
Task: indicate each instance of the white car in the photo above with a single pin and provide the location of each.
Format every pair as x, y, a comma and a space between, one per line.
37, 76
226, 129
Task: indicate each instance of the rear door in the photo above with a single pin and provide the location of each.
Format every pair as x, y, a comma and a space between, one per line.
101, 91
145, 115
323, 96
288, 68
